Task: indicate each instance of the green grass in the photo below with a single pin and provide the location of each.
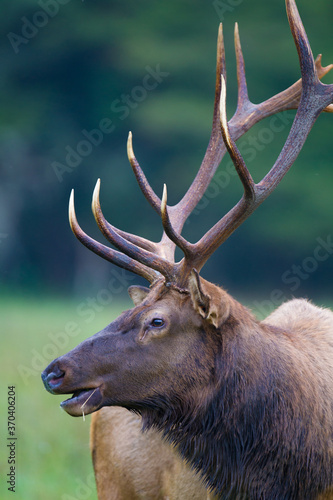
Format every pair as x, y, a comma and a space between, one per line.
52, 449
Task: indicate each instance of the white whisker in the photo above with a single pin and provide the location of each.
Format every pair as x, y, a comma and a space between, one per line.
86, 403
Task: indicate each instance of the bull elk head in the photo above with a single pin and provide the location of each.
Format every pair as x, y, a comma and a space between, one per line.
189, 358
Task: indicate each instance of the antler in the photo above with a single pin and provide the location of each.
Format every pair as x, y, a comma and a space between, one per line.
151, 260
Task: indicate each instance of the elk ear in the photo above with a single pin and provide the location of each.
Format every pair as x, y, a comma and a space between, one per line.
210, 301
138, 294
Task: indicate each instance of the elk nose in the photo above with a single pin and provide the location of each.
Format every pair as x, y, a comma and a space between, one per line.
52, 378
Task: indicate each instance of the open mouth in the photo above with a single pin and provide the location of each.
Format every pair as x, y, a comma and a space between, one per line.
83, 402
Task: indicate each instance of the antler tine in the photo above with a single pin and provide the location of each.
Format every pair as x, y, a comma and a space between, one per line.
306, 60
165, 248
145, 187
315, 97
106, 253
242, 171
243, 96
108, 229
176, 238
132, 250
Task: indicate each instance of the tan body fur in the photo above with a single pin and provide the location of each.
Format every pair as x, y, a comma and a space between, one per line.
132, 465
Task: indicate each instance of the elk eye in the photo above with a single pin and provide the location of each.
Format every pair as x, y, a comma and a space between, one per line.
157, 323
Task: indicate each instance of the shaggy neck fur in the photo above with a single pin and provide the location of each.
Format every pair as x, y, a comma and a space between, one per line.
260, 434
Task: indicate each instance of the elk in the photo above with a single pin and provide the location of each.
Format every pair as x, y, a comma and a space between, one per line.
247, 403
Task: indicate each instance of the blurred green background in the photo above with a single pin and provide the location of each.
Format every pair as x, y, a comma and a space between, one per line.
69, 67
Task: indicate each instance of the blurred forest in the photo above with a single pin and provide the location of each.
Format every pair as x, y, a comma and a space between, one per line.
78, 75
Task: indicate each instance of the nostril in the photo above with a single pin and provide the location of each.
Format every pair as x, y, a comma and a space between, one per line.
53, 379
